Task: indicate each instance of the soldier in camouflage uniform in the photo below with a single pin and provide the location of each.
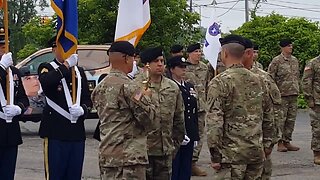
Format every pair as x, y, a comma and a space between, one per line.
275, 99
284, 69
197, 75
311, 89
168, 129
176, 50
125, 113
255, 57
235, 123
220, 68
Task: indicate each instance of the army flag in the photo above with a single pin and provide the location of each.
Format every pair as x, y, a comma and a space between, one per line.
212, 45
67, 27
1, 4
132, 21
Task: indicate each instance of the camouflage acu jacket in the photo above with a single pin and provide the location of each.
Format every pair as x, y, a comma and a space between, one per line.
168, 128
126, 116
285, 72
235, 124
197, 75
311, 81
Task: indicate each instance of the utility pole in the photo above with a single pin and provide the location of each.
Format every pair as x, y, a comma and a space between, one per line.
246, 4
190, 5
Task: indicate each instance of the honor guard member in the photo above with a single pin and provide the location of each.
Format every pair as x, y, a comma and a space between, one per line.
176, 50
311, 89
182, 162
235, 127
197, 74
10, 112
126, 113
284, 69
272, 100
62, 124
168, 130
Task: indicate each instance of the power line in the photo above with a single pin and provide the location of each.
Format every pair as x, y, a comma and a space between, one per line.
265, 13
305, 4
297, 8
229, 9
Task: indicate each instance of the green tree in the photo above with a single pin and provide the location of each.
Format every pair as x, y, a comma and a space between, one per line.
171, 23
20, 12
36, 35
267, 31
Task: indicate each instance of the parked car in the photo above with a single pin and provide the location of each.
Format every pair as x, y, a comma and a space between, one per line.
93, 58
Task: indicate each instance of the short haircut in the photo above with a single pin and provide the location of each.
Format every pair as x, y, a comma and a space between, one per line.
234, 49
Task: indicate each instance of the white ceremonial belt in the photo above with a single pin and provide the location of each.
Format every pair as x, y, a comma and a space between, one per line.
60, 110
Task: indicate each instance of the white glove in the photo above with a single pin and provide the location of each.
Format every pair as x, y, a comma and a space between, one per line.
185, 141
6, 60
72, 60
12, 110
134, 71
76, 111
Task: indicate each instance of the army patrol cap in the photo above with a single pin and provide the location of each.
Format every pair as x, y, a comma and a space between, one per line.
150, 54
122, 47
193, 47
52, 42
2, 35
285, 42
176, 48
177, 61
232, 38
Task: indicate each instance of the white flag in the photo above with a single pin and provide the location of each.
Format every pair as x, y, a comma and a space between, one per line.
133, 20
212, 45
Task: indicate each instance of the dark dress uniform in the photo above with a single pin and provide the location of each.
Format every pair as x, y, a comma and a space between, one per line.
10, 133
64, 141
181, 167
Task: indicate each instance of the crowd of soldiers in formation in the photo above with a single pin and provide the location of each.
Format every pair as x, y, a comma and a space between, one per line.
152, 119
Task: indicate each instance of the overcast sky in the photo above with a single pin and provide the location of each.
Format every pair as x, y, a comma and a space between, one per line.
231, 14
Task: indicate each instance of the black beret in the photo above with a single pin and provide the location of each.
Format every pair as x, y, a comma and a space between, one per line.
285, 42
150, 54
176, 61
2, 35
248, 43
123, 47
176, 48
232, 38
52, 42
137, 52
255, 47
25, 71
193, 47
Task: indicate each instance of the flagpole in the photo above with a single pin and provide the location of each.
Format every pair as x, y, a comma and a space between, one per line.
6, 40
73, 74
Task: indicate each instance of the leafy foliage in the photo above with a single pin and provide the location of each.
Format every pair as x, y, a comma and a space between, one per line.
269, 30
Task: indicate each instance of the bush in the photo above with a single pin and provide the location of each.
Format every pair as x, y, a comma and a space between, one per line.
302, 104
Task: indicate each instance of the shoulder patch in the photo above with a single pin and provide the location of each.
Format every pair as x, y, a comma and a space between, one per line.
44, 70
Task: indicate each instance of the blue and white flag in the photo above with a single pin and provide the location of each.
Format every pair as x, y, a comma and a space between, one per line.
212, 45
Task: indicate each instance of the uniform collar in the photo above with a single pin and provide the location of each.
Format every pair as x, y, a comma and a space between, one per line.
285, 58
179, 83
236, 66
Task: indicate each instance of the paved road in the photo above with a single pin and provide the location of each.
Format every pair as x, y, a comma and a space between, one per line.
287, 166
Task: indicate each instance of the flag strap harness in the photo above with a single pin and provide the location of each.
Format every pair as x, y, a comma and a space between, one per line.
4, 101
59, 109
